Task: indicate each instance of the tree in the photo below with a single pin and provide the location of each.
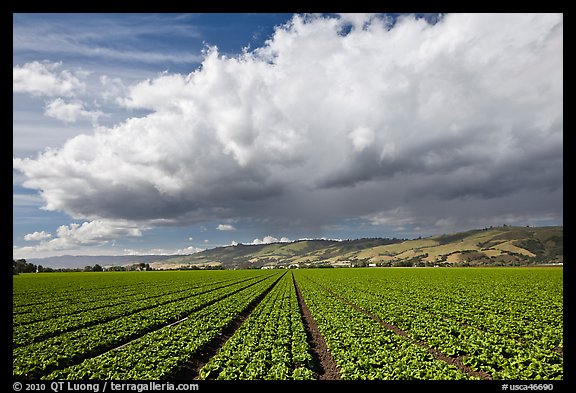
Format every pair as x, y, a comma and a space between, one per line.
42, 269
97, 268
21, 266
116, 269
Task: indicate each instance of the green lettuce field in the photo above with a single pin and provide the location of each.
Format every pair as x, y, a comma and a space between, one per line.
365, 323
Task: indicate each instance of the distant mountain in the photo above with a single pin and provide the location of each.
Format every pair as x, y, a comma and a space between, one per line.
495, 246
80, 261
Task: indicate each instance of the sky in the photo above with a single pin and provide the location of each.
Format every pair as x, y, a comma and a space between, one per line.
173, 133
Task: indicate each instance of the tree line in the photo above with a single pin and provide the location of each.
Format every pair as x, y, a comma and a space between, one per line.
21, 266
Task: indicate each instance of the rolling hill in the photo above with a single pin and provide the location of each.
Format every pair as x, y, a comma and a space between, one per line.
495, 246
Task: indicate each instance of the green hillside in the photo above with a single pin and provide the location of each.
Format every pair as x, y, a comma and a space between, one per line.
495, 246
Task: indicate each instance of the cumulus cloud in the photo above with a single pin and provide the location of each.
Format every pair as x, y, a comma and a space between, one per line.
70, 112
113, 89
225, 227
45, 79
333, 118
89, 233
37, 236
270, 239
189, 250
96, 231
361, 138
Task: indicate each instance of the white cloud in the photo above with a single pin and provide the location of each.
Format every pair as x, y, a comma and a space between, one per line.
97, 231
270, 239
45, 79
113, 89
70, 112
37, 236
70, 237
362, 138
317, 126
189, 250
225, 227
165, 91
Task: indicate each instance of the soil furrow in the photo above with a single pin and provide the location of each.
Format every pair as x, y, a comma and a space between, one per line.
456, 361
559, 351
182, 318
325, 367
191, 370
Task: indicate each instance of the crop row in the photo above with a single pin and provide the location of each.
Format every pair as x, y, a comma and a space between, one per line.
48, 290
364, 349
270, 344
43, 294
30, 333
39, 358
114, 297
151, 325
516, 304
160, 354
509, 353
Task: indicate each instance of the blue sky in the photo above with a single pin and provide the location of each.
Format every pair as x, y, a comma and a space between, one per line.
172, 133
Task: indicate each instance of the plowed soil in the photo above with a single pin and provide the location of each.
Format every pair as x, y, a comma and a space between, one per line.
325, 367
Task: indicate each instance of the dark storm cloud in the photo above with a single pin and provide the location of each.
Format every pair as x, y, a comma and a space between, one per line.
437, 124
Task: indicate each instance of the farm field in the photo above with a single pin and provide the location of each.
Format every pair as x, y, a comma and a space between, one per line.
383, 324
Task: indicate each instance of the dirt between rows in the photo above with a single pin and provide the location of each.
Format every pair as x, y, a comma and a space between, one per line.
559, 351
191, 370
456, 361
325, 367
